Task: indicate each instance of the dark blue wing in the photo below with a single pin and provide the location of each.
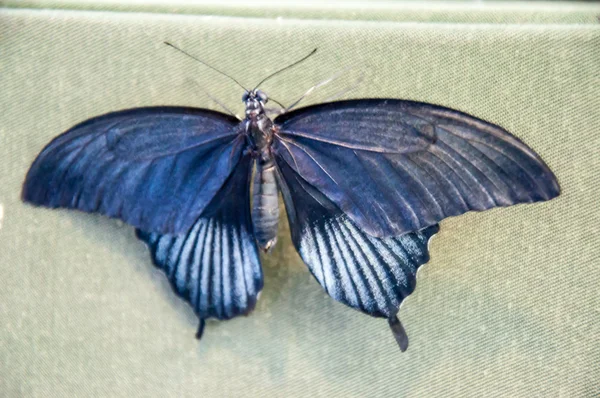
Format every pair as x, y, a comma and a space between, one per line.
399, 166
215, 266
155, 168
369, 274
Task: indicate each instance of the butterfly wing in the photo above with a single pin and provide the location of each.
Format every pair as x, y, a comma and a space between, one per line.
155, 168
398, 166
370, 274
215, 266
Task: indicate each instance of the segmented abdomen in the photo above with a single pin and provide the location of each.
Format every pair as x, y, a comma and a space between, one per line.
265, 205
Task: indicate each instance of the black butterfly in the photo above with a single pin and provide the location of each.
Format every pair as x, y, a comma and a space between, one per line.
364, 182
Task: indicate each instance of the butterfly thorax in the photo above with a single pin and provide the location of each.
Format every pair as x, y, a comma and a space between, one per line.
258, 126
265, 200
259, 130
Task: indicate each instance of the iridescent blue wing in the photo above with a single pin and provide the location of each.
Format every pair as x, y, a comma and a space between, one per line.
154, 168
398, 166
215, 265
372, 275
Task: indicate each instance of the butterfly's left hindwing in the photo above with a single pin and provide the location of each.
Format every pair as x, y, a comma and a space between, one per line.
215, 266
366, 273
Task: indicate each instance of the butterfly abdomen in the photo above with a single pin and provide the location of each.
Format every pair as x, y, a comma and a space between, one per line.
265, 204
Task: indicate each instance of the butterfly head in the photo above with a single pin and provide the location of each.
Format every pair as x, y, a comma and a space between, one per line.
255, 101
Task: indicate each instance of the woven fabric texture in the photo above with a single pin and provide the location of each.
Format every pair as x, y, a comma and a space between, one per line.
508, 305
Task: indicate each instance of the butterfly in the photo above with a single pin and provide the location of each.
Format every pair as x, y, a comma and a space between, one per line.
365, 183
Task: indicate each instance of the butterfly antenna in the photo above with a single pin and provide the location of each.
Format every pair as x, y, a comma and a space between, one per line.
286, 68
204, 63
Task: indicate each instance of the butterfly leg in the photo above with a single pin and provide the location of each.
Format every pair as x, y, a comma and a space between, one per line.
200, 330
398, 332
313, 88
215, 100
274, 111
346, 90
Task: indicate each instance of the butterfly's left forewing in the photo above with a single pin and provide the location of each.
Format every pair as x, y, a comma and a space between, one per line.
215, 266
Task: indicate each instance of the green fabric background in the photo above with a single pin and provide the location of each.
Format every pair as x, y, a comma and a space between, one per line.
509, 304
